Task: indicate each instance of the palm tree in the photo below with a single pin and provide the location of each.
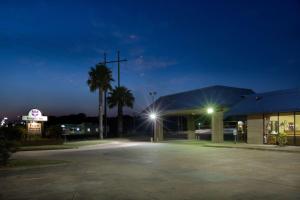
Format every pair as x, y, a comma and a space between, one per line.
100, 78
120, 97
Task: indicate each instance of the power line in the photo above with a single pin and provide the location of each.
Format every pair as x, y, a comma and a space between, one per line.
116, 61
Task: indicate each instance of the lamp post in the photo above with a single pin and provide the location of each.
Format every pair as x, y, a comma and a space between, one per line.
210, 111
153, 117
153, 94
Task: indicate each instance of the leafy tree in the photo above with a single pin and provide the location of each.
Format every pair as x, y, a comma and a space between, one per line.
15, 133
120, 97
54, 131
4, 151
100, 78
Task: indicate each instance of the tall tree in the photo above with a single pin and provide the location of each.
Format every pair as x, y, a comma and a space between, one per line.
100, 78
120, 97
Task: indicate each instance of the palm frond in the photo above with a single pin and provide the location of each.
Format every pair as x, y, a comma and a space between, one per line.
100, 76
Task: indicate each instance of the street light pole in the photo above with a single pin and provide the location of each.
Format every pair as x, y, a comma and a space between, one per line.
154, 129
153, 117
153, 94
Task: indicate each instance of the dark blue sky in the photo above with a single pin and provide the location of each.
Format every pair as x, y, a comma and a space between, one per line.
47, 48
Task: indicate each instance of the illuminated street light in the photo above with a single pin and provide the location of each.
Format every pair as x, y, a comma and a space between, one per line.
153, 116
210, 110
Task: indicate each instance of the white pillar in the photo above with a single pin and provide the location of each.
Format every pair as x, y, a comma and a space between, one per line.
191, 127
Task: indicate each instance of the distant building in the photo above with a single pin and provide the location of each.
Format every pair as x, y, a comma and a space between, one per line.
80, 129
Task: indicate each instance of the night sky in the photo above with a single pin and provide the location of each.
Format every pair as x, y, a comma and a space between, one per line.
47, 48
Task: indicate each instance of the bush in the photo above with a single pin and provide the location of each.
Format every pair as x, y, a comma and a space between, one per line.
5, 150
13, 133
282, 139
54, 131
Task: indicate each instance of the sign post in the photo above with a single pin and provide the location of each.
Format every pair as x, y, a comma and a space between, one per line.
34, 121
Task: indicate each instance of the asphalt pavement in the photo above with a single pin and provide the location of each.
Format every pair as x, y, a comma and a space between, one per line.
141, 170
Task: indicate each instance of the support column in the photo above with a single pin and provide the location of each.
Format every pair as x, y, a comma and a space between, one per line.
159, 130
255, 129
217, 130
190, 127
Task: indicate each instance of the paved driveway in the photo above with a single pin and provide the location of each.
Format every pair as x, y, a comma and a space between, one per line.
136, 170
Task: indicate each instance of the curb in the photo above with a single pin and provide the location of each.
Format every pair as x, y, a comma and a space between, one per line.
253, 148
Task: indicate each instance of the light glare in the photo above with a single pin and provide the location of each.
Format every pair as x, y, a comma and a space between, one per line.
153, 116
210, 110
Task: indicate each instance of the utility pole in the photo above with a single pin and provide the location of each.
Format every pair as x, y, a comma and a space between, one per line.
153, 94
119, 84
105, 103
119, 60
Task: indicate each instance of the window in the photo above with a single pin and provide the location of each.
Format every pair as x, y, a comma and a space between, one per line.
287, 126
271, 128
297, 127
288, 123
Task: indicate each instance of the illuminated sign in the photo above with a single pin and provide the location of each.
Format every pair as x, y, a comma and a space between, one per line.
35, 115
33, 118
34, 128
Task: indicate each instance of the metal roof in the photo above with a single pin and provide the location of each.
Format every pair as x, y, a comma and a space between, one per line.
269, 102
214, 95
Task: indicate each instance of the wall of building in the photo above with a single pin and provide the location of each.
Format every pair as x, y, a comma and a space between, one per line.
159, 131
255, 129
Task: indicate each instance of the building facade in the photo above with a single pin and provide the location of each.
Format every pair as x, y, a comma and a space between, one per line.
184, 115
264, 116
271, 114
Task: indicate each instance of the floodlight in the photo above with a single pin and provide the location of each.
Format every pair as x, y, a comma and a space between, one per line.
210, 110
153, 116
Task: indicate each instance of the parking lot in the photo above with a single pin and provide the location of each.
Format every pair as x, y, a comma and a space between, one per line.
139, 170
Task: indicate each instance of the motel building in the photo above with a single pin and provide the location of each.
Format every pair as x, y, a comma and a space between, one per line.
223, 113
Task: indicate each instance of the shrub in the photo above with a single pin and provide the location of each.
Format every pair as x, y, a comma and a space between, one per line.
282, 139
13, 133
5, 148
54, 131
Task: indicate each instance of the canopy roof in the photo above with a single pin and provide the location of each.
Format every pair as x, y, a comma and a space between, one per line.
222, 96
269, 102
